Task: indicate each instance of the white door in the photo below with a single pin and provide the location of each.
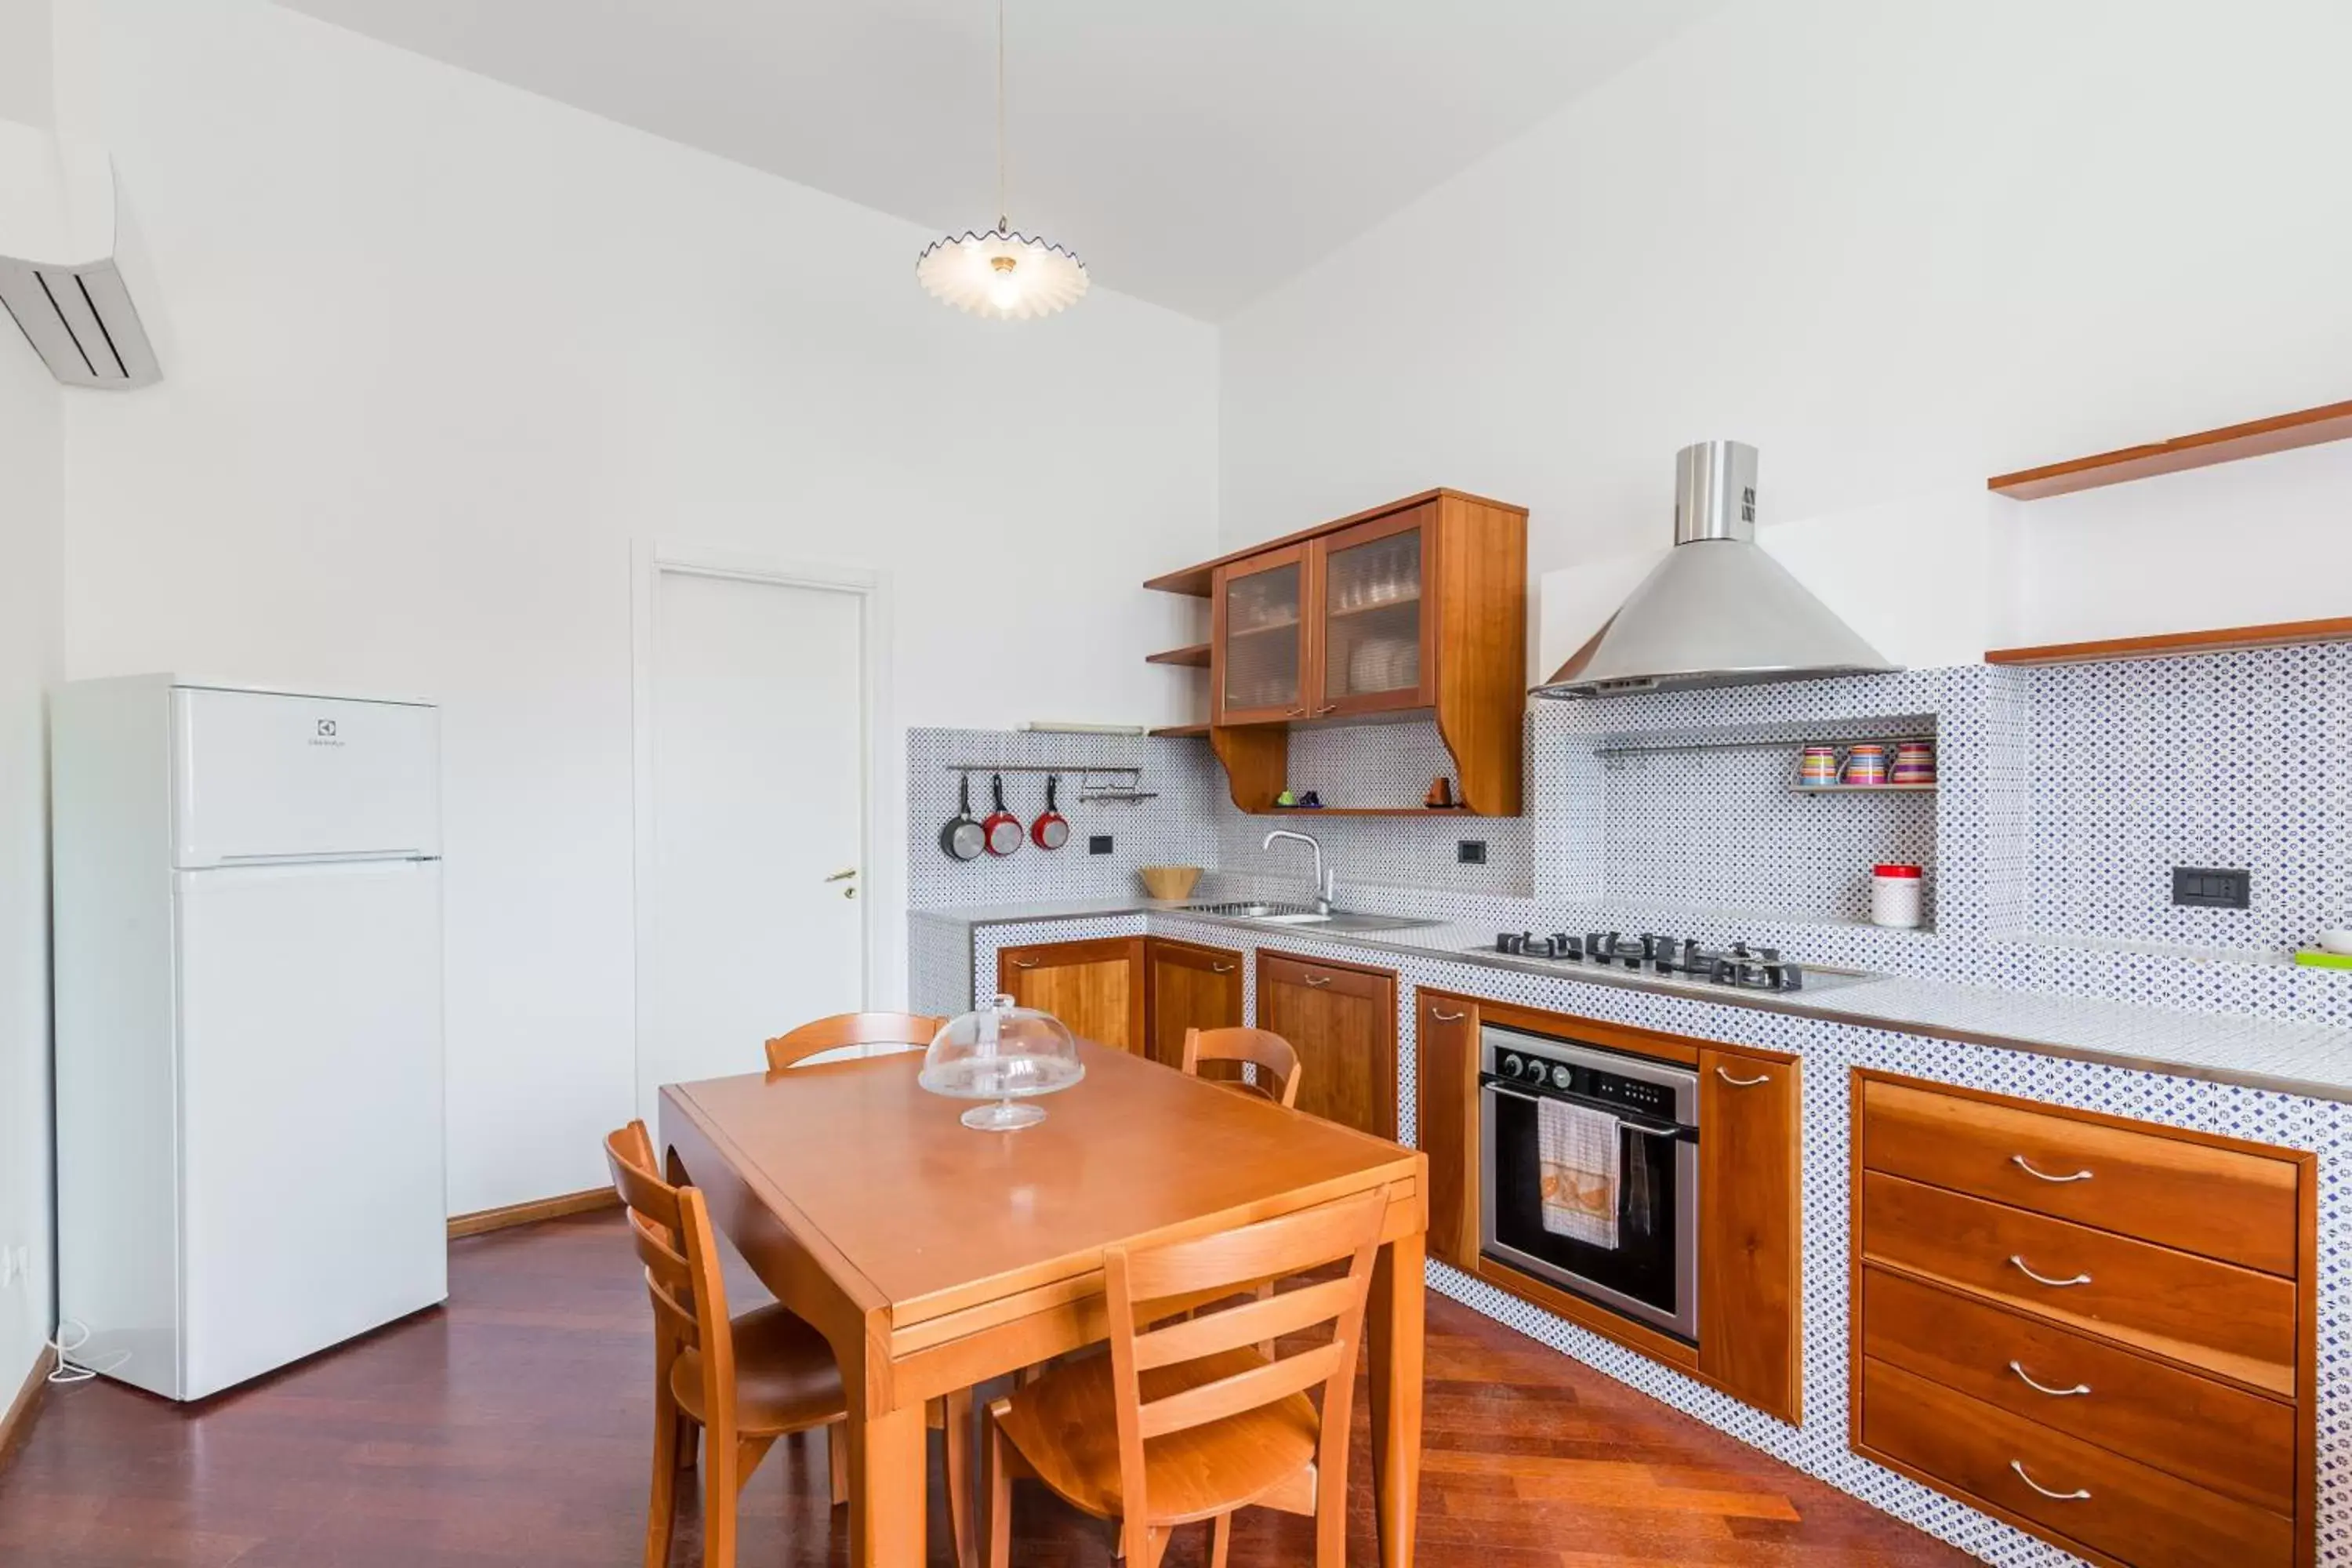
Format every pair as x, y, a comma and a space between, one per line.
313, 1199
754, 918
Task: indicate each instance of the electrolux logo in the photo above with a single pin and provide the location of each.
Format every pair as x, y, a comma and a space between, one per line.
323, 734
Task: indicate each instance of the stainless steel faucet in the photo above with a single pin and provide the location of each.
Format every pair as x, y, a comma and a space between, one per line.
1324, 880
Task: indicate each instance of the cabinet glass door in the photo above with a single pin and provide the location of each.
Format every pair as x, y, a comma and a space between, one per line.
1376, 644
1261, 639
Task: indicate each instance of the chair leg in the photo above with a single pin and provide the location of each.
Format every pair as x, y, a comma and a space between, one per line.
996, 1482
1221, 1540
661, 1513
719, 1488
748, 1452
959, 1468
1155, 1547
836, 1460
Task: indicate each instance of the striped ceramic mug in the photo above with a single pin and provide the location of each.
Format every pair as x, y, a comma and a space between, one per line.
1865, 766
1915, 762
1817, 766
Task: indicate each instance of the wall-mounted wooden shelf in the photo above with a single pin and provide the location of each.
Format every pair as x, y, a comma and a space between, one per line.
1178, 732
1193, 658
2224, 639
1362, 810
2285, 432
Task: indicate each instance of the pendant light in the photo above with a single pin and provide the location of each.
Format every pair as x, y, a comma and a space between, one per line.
1003, 272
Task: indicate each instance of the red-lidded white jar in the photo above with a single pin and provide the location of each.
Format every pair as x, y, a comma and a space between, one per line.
1894, 895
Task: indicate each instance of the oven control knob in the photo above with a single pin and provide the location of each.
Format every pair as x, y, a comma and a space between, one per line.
1512, 1066
1562, 1076
1534, 1073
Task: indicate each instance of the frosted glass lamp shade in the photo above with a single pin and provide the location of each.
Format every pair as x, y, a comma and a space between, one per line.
1001, 273
1005, 1054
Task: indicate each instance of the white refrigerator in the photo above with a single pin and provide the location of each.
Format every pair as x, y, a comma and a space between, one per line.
247, 930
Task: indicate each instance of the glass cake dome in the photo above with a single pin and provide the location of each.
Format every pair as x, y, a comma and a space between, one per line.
1004, 1053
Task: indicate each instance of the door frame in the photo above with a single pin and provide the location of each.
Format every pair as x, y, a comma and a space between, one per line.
650, 559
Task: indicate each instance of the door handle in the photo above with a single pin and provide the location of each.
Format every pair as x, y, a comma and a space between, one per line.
1316, 979
1442, 1017
843, 876
2022, 1268
1024, 963
2026, 1378
2077, 1495
1741, 1082
1221, 969
1326, 707
2022, 1164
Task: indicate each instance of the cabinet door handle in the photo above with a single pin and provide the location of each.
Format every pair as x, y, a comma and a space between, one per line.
2026, 1378
1316, 979
1024, 963
1442, 1017
2021, 1266
1326, 707
2077, 1495
1221, 969
2026, 1166
1741, 1082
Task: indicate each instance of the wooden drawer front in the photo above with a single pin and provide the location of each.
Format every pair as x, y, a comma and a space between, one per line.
1334, 979
2210, 1433
2135, 1513
2220, 1203
2212, 1316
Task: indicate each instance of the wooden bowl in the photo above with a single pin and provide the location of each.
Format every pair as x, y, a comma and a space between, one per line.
1170, 882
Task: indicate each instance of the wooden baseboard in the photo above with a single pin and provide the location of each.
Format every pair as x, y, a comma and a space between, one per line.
21, 1410
482, 1220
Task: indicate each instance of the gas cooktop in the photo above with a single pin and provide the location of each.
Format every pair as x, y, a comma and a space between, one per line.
1603, 955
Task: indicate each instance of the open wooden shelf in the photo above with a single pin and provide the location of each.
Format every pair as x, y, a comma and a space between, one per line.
2224, 639
1177, 731
2280, 433
1363, 811
1193, 658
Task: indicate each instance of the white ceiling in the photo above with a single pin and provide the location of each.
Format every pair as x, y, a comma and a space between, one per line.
1196, 153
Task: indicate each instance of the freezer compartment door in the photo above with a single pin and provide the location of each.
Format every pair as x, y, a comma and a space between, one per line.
313, 1200
259, 777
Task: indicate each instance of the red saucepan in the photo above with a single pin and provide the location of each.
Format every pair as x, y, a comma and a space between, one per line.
1052, 829
961, 837
1001, 827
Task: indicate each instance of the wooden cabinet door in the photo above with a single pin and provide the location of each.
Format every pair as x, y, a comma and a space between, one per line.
1260, 652
1192, 987
1750, 1234
1341, 1020
1446, 1058
1375, 603
1095, 987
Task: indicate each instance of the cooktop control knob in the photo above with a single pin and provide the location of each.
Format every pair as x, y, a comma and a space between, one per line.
1563, 1076
1512, 1066
1534, 1073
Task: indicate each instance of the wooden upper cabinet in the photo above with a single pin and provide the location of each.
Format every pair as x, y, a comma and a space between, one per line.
1750, 1285
1341, 1020
1446, 1032
1096, 987
1375, 642
1417, 608
1260, 650
1192, 987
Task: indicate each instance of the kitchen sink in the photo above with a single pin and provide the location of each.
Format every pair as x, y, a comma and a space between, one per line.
1268, 913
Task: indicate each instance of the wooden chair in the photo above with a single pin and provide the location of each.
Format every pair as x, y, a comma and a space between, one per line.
1260, 1048
894, 1029
1227, 1425
744, 1381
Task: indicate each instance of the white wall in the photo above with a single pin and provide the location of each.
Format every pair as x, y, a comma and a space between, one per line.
440, 350
1898, 249
31, 540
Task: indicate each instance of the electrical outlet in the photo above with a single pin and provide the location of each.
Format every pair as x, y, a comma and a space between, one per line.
1099, 844
1470, 851
2198, 888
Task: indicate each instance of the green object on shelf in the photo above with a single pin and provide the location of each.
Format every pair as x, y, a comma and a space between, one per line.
1285, 799
2316, 958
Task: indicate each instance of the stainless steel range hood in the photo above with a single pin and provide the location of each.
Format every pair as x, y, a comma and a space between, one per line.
1717, 611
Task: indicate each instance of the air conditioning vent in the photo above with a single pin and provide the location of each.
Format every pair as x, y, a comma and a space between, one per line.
82, 322
62, 261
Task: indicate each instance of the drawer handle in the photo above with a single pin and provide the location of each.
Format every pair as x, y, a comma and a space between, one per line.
2022, 1164
1442, 1017
1316, 979
2077, 1495
1741, 1082
1221, 969
1025, 962
2026, 1378
2044, 1279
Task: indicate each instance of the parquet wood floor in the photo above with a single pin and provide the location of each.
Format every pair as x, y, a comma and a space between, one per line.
512, 1426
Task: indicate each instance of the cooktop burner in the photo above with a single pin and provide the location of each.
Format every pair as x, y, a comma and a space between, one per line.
1738, 965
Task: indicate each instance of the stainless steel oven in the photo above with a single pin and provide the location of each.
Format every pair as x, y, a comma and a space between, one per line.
1651, 1274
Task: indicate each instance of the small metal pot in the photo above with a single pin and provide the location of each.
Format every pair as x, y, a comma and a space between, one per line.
962, 837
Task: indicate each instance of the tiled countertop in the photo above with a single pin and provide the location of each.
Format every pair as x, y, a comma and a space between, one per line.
2260, 1053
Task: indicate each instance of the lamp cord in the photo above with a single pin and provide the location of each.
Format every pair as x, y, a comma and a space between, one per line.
1000, 116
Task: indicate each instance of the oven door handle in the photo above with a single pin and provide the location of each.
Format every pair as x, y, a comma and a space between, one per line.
1641, 1127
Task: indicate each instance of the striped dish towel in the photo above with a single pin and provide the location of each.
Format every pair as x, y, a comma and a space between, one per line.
1577, 1149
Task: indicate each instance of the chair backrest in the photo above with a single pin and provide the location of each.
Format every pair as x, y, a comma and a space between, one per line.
1262, 1049
898, 1031
671, 1228
1145, 1285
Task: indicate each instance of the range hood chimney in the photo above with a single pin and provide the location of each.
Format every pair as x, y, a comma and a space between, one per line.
1717, 611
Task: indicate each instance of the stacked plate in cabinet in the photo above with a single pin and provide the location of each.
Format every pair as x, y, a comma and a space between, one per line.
2096, 1330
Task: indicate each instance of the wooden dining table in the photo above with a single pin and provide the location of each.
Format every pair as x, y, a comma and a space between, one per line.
933, 1257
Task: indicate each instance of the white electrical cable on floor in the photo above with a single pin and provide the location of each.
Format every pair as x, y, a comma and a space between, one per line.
71, 1335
